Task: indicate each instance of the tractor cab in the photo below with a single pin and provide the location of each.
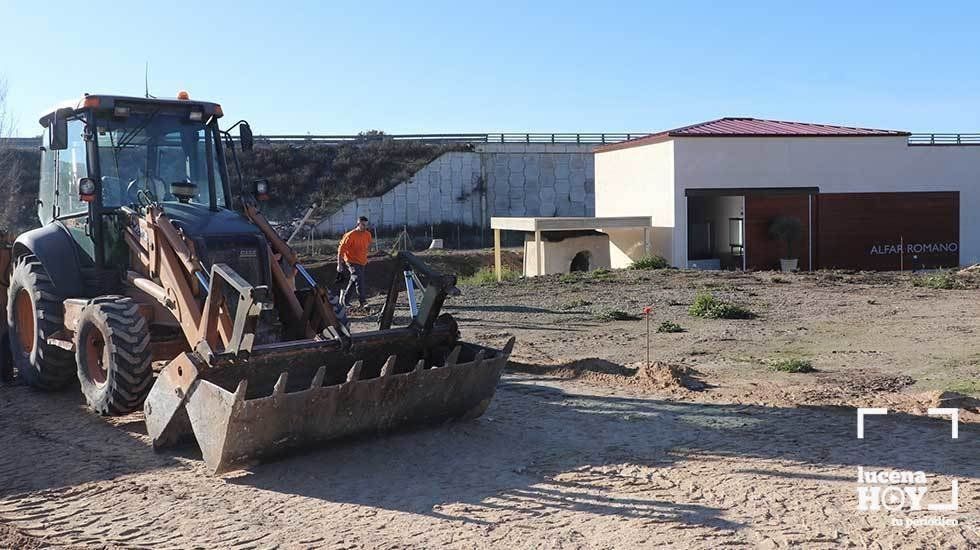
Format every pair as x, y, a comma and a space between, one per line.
105, 155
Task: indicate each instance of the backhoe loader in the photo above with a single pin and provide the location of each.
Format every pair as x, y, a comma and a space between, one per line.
145, 259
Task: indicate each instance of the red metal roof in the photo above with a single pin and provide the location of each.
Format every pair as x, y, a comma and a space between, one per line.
753, 127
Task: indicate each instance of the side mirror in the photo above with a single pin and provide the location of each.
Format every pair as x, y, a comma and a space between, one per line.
58, 132
261, 189
245, 136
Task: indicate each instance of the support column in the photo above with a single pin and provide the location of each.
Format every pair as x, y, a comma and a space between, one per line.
538, 246
646, 241
496, 255
809, 232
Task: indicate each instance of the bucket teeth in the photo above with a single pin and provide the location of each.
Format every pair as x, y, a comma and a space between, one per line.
233, 429
318, 377
280, 387
453, 357
509, 346
389, 366
240, 391
355, 371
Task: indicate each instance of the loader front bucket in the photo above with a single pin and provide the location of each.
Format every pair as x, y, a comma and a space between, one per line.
297, 394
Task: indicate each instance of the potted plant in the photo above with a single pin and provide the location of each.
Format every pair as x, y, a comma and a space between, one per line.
789, 230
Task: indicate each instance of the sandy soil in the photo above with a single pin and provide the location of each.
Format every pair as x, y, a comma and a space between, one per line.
873, 338
584, 446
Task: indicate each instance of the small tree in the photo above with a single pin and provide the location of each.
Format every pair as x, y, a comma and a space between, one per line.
787, 229
10, 169
6, 124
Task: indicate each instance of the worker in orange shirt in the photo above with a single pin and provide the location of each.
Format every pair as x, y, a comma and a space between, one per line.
352, 257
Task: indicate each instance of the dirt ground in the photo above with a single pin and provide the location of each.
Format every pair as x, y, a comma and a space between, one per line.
875, 339
585, 445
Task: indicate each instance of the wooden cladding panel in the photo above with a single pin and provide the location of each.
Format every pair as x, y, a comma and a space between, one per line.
763, 252
883, 231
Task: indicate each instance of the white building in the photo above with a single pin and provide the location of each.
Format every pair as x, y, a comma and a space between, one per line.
863, 198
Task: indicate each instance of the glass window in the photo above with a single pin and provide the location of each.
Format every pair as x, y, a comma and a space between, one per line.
72, 166
46, 191
143, 155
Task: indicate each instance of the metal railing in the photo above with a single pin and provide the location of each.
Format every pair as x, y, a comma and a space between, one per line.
597, 138
944, 139
499, 137
594, 138
21, 143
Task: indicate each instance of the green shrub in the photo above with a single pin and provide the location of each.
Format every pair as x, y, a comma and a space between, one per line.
669, 326
707, 306
487, 276
650, 262
600, 274
613, 315
792, 365
730, 311
940, 280
703, 303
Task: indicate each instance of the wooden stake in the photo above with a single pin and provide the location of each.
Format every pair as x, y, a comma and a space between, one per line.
498, 269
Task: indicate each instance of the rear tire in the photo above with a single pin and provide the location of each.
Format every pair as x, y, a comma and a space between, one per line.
34, 313
112, 350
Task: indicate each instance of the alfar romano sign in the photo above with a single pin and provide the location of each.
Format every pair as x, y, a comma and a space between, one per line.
914, 248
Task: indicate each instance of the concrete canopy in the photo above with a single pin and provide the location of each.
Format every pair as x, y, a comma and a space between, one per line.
569, 224
537, 225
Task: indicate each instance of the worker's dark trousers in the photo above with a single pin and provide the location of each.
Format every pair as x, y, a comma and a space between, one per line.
356, 280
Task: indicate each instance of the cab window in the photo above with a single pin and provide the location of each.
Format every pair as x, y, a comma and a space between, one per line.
72, 166
46, 191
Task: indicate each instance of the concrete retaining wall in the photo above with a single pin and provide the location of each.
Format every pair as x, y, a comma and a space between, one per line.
467, 188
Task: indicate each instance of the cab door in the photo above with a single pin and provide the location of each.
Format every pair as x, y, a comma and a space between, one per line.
70, 210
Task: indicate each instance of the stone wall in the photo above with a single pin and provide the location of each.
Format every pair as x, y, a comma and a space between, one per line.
467, 188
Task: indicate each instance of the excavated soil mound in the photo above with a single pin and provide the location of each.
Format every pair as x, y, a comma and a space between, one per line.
657, 376
661, 376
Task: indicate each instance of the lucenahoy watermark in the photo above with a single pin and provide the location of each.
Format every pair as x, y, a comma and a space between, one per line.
897, 490
904, 490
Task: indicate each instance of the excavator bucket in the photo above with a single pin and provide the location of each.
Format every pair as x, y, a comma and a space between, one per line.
238, 414
241, 407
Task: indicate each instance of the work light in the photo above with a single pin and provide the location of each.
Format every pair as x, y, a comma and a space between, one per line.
262, 189
183, 190
86, 189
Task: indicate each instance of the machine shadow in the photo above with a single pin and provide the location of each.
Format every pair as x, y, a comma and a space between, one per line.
52, 440
522, 451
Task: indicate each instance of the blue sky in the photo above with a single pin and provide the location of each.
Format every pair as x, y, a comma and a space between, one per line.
507, 66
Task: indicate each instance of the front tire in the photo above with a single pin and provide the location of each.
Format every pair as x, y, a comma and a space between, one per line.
34, 313
112, 350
